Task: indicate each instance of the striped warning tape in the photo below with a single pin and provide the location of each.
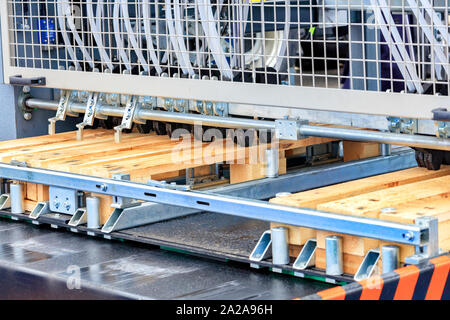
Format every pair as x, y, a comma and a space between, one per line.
428, 281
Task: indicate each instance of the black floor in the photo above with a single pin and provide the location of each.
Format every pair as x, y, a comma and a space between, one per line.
37, 262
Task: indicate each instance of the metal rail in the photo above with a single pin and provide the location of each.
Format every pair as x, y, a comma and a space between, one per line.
253, 209
233, 122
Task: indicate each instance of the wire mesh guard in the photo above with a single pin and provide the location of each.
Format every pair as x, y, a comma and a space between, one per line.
377, 45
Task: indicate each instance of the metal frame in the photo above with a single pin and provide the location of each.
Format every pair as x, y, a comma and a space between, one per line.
403, 105
364, 227
354, 101
284, 129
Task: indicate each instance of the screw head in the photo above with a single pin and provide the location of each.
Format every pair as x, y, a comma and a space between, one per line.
27, 116
408, 236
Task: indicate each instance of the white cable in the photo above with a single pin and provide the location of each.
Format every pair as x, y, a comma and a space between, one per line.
399, 43
179, 34
148, 35
440, 57
213, 37
95, 27
118, 37
173, 38
409, 38
392, 48
243, 21
132, 37
283, 48
62, 27
443, 30
76, 36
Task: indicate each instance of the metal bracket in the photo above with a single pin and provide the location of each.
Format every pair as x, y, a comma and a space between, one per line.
5, 201
402, 125
368, 265
127, 120
89, 115
170, 186
263, 249
122, 202
78, 218
40, 208
18, 163
61, 111
443, 129
181, 105
221, 109
63, 200
431, 238
306, 257
143, 214
288, 129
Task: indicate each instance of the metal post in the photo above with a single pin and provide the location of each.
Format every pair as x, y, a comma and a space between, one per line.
16, 198
272, 161
280, 246
390, 255
93, 212
385, 149
334, 256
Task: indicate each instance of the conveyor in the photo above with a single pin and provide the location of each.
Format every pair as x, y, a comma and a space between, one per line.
298, 76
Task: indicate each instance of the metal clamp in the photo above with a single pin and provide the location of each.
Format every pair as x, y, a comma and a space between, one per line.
402, 125
127, 120
61, 111
443, 129
431, 248
89, 115
122, 202
288, 129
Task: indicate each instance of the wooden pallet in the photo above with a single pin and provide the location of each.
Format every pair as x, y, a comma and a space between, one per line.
413, 193
143, 156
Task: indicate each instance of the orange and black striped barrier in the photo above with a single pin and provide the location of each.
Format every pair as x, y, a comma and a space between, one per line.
428, 281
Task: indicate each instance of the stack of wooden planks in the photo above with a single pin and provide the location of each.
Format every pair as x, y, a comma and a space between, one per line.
142, 156
400, 196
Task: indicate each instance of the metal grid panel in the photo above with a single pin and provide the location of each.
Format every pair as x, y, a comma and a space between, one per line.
371, 45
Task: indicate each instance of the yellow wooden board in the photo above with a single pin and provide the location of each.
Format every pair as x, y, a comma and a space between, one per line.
413, 193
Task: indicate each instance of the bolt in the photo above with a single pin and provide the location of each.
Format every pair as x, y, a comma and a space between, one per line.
26, 89
27, 116
67, 206
408, 236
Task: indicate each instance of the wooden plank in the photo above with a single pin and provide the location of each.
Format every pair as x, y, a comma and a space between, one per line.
28, 205
311, 198
247, 172
360, 150
45, 139
36, 192
105, 208
31, 191
90, 151
370, 204
33, 151
141, 169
